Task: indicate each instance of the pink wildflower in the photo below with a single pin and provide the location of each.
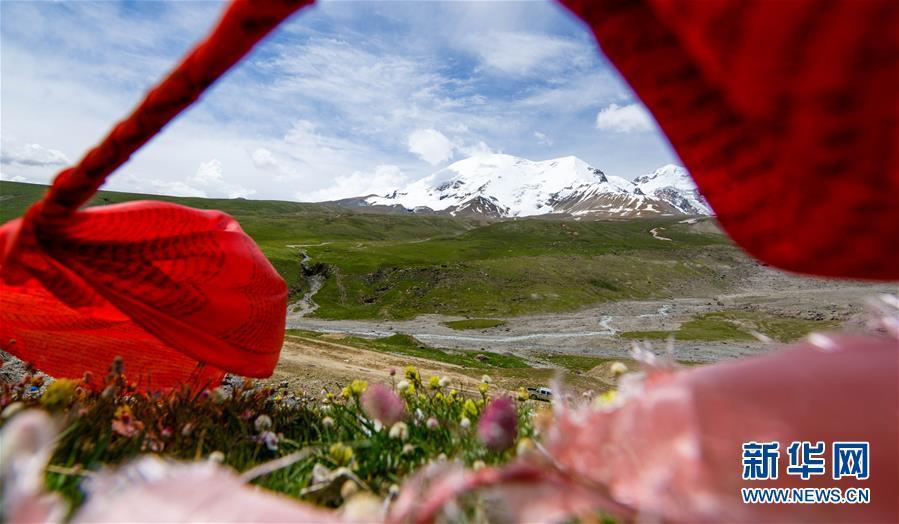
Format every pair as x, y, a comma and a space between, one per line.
498, 426
124, 423
381, 403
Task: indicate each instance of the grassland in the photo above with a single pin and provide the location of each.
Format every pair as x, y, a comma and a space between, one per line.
737, 325
474, 323
400, 266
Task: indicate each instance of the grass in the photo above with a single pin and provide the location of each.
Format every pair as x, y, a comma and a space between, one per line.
398, 266
475, 323
252, 424
737, 325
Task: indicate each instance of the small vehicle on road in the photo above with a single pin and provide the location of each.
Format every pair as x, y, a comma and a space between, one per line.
544, 394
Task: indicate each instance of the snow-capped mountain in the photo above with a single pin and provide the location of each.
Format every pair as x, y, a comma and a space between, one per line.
673, 184
500, 185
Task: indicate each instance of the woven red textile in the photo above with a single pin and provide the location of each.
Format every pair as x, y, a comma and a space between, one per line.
786, 114
182, 295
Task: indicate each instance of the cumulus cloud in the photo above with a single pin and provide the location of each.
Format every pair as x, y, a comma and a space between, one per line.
209, 179
383, 180
624, 119
33, 155
431, 145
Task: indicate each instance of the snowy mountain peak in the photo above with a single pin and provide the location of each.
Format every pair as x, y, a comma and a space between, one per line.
508, 186
673, 184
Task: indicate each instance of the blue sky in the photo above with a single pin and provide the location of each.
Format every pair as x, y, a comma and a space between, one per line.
345, 99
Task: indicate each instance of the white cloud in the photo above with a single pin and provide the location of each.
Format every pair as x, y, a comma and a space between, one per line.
625, 119
384, 179
33, 155
16, 178
525, 53
542, 138
209, 179
431, 145
478, 149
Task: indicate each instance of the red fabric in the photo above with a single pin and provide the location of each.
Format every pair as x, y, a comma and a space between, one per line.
182, 295
785, 113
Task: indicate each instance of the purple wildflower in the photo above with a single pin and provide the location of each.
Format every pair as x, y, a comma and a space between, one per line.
498, 426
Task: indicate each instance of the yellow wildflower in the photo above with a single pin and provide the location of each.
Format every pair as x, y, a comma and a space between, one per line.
59, 394
605, 399
469, 408
522, 394
358, 387
434, 382
412, 374
341, 453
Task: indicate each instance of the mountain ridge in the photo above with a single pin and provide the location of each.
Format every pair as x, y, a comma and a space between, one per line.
506, 186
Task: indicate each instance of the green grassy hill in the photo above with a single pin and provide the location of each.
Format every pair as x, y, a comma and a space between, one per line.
398, 266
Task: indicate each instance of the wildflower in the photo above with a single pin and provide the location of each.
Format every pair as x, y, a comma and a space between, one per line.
498, 426
434, 382
441, 457
439, 397
358, 387
408, 449
59, 394
465, 423
392, 372
478, 464
393, 491
402, 385
219, 395
469, 408
522, 394
605, 399
432, 423
525, 445
345, 392
482, 387
262, 423
328, 422
246, 414
166, 432
124, 423
444, 382
152, 444
419, 414
618, 369
381, 403
341, 453
216, 456
453, 393
187, 429
399, 431
412, 374
486, 379
269, 439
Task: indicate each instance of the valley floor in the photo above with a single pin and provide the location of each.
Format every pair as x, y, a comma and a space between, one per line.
792, 305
